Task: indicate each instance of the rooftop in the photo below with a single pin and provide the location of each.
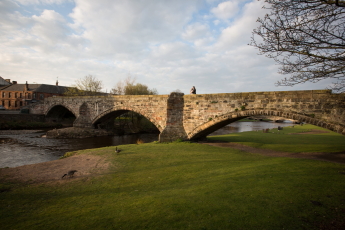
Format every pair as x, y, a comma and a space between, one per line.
39, 88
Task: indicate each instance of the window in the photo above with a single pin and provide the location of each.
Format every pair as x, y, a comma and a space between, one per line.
9, 95
41, 96
3, 94
21, 95
34, 96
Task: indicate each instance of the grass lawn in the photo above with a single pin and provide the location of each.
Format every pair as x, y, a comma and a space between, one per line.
290, 139
192, 186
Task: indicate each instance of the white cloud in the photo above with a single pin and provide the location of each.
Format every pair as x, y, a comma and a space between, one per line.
167, 45
196, 31
129, 27
226, 10
199, 34
46, 2
7, 5
9, 17
49, 27
176, 51
239, 32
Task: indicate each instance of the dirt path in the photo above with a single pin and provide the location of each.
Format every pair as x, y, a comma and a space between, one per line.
332, 157
52, 171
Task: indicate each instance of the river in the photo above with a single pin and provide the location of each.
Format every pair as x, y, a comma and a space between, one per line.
23, 147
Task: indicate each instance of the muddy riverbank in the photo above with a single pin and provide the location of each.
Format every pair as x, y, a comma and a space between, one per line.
73, 132
23, 147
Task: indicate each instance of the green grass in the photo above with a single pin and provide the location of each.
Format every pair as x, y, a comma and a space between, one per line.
288, 140
186, 186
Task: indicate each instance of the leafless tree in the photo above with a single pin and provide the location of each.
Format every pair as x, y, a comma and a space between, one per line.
129, 87
307, 39
87, 86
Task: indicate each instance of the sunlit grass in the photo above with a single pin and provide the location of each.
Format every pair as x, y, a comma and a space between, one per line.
187, 186
289, 139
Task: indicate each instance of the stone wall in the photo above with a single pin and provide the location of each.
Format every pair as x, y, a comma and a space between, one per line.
36, 108
206, 110
22, 117
195, 116
90, 111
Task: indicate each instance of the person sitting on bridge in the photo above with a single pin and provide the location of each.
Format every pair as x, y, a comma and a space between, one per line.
193, 90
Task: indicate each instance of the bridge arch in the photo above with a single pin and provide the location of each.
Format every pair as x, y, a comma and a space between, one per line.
120, 110
58, 107
220, 121
60, 113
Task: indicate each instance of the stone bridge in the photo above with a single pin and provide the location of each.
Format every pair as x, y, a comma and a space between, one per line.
195, 116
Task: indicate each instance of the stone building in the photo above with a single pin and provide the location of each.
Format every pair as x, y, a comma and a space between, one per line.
13, 95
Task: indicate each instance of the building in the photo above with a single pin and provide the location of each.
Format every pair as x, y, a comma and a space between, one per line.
13, 95
4, 82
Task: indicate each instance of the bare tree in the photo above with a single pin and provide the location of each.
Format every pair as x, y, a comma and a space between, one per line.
307, 38
87, 86
120, 86
340, 3
129, 87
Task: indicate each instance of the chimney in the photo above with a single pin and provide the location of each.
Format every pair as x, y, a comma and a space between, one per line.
57, 83
26, 87
8, 80
14, 82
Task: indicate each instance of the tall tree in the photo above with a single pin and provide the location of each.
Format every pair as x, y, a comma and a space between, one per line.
87, 86
307, 38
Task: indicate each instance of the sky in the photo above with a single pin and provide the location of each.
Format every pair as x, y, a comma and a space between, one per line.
164, 44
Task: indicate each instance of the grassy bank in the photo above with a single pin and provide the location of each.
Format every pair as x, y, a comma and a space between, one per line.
290, 139
191, 186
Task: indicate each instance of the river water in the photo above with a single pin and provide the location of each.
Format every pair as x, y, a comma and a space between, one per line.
23, 147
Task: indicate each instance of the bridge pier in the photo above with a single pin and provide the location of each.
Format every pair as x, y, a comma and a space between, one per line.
174, 123
82, 122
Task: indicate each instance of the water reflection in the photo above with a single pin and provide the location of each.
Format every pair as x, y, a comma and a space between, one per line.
240, 126
18, 148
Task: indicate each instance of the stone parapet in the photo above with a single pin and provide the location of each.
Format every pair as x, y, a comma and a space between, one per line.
196, 115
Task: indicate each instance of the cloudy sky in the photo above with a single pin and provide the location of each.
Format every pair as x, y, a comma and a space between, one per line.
165, 44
